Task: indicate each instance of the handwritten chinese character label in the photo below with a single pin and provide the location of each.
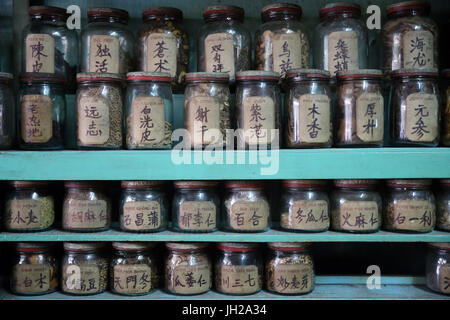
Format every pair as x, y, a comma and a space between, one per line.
370, 117
132, 279
421, 117
89, 280
204, 116
31, 278
444, 278
87, 214
248, 215
40, 53
314, 115
104, 54
219, 52
359, 215
36, 118
286, 51
342, 51
25, 214
414, 215
418, 49
162, 53
309, 215
239, 279
141, 215
191, 279
197, 215
259, 120
148, 120
293, 278
93, 120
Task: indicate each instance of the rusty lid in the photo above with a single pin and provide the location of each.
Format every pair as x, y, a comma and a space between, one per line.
257, 75
83, 246
48, 11
279, 9
214, 12
408, 6
237, 246
359, 74
245, 184
424, 72
207, 77
95, 76
39, 77
186, 246
149, 76
33, 246
409, 183
133, 246
28, 184
167, 13
299, 74
82, 184
288, 246
355, 183
339, 7
107, 12
140, 184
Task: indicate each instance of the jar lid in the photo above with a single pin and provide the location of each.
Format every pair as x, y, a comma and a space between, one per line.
195, 184
257, 75
440, 245
149, 76
283, 8
339, 7
302, 74
83, 246
304, 183
359, 74
406, 6
47, 11
108, 12
355, 183
237, 246
27, 184
142, 183
446, 73
445, 182
5, 76
186, 246
425, 72
82, 184
405, 183
288, 246
213, 12
30, 77
168, 13
133, 246
95, 76
33, 246
244, 184
207, 76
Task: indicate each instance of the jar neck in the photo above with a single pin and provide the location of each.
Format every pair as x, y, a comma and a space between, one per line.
57, 20
303, 189
108, 19
72, 189
130, 253
98, 83
223, 17
398, 188
338, 15
408, 13
281, 16
356, 188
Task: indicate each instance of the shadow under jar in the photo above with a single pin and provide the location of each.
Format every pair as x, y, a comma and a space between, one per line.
308, 113
410, 206
438, 267
356, 206
443, 206
415, 117
195, 206
35, 269
84, 268
258, 108
238, 268
446, 108
41, 111
7, 109
360, 109
144, 206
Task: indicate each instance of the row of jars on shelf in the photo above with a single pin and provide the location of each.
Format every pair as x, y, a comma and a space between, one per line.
146, 206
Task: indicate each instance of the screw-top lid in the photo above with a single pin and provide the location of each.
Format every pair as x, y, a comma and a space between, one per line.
149, 76
445, 182
408, 6
195, 184
304, 183
424, 72
6, 77
133, 246
288, 246
277, 10
359, 74
330, 8
38, 77
355, 183
237, 246
28, 184
300, 74
95, 76
94, 13
33, 246
244, 184
257, 75
440, 245
48, 12
221, 11
83, 246
409, 183
166, 13
186, 246
82, 184
207, 77
138, 184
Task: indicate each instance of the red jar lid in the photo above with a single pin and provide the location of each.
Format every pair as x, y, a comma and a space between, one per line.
359, 74
445, 182
107, 12
339, 7
207, 77
141, 184
408, 183
149, 76
28, 184
213, 12
237, 246
133, 246
257, 75
355, 183
304, 183
407, 6
270, 10
186, 246
300, 74
94, 76
195, 184
83, 246
288, 246
48, 11
38, 77
167, 13
82, 184
245, 184
425, 72
33, 246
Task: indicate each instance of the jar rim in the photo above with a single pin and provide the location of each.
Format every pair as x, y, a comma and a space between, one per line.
33, 246
284, 8
28, 183
355, 183
133, 246
299, 74
440, 245
407, 5
445, 182
257, 75
359, 74
82, 184
47, 10
288, 246
339, 7
108, 12
94, 76
207, 76
149, 76
6, 76
409, 183
237, 246
304, 183
186, 246
83, 246
245, 184
141, 184
193, 184
38, 77
234, 11
425, 72
165, 12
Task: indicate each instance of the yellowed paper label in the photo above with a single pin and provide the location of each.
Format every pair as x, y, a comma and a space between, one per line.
342, 51
359, 215
444, 278
219, 52
293, 278
104, 54
286, 50
418, 48
249, 215
36, 118
132, 278
81, 279
314, 115
203, 120
370, 117
148, 120
142, 215
25, 214
421, 117
308, 215
414, 215
259, 120
31, 278
192, 279
197, 215
162, 53
40, 53
86, 214
239, 279
93, 120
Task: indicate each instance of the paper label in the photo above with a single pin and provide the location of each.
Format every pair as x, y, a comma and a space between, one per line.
370, 117
93, 120
191, 279
421, 117
418, 51
342, 51
219, 53
314, 116
86, 281
359, 215
162, 53
197, 215
239, 279
87, 214
25, 214
414, 215
36, 118
286, 50
104, 54
31, 278
203, 121
142, 215
40, 53
444, 278
308, 215
249, 215
148, 120
293, 278
259, 120
132, 279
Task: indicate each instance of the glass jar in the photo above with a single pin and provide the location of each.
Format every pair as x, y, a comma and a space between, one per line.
84, 268
163, 44
86, 207
410, 206
195, 206
206, 108
7, 109
35, 269
30, 206
289, 268
245, 207
107, 44
356, 206
415, 117
305, 206
148, 111
443, 206
446, 108
187, 268
49, 46
224, 43
99, 111
238, 268
438, 267
340, 38
360, 112
258, 108
144, 206
42, 111
281, 41
134, 268
410, 37
308, 111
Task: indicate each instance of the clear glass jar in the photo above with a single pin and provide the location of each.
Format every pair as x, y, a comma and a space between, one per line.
438, 267
410, 37
206, 109
281, 41
446, 108
107, 44
86, 207
245, 207
443, 206
42, 111
340, 41
238, 268
49, 46
410, 206
148, 111
195, 206
356, 206
258, 108
7, 109
29, 206
35, 269
84, 268
134, 268
224, 43
305, 206
99, 111
144, 206
188, 269
308, 110
360, 111
289, 268
163, 44
415, 117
